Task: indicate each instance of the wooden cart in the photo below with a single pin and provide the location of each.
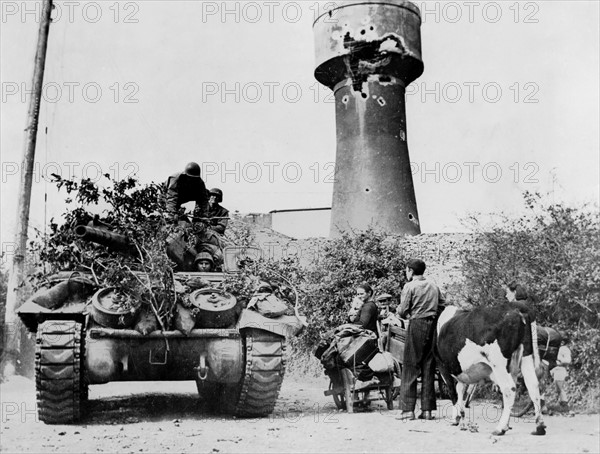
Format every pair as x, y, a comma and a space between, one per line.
342, 386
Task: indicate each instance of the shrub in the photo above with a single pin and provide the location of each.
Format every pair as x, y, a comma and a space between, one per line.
554, 251
347, 261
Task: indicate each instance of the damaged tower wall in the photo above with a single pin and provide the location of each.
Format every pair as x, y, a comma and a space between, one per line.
368, 53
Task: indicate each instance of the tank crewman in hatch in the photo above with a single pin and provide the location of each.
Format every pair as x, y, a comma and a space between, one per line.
204, 262
186, 187
218, 214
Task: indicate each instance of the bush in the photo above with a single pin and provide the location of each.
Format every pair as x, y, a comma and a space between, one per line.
329, 285
554, 251
124, 207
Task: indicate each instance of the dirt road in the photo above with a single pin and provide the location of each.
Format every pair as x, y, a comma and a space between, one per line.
168, 417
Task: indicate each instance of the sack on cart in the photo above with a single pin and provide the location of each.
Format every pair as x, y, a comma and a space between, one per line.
383, 362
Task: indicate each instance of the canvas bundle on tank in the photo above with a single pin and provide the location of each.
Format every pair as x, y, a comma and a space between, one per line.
73, 289
268, 305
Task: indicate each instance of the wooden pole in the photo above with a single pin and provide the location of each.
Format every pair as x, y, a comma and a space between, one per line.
16, 272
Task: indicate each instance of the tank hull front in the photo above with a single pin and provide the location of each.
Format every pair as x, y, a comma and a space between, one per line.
125, 355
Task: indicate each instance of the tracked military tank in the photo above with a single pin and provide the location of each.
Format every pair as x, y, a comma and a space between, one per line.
234, 350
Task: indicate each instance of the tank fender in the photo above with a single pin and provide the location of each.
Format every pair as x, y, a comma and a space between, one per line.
32, 314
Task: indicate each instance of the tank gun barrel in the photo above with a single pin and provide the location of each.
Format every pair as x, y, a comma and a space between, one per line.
114, 241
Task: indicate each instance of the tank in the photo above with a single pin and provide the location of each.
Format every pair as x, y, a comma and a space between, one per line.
235, 354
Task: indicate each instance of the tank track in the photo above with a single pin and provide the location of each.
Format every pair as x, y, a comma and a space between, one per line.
60, 382
263, 376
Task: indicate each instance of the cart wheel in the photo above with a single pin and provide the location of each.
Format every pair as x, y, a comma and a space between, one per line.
339, 399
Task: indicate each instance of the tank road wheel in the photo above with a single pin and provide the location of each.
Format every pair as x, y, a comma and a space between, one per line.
59, 378
263, 375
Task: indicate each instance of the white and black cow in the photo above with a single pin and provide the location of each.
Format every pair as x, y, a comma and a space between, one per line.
480, 343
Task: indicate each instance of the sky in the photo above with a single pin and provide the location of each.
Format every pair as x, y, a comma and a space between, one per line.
508, 102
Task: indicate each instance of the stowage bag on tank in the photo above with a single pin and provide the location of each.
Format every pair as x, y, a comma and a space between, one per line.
147, 322
72, 290
268, 305
184, 319
52, 297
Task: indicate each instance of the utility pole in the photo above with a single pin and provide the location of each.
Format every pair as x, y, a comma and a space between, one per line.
16, 271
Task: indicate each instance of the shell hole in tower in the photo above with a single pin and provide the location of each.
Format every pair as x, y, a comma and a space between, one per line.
367, 189
345, 99
363, 31
364, 95
411, 217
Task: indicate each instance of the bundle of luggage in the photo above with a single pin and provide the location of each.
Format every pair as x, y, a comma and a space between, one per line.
350, 346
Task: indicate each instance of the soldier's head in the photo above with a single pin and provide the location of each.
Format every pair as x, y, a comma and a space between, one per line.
215, 195
204, 262
192, 169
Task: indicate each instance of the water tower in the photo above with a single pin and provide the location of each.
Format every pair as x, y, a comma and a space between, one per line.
368, 52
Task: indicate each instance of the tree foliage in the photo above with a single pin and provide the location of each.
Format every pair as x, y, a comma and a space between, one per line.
554, 251
124, 207
329, 284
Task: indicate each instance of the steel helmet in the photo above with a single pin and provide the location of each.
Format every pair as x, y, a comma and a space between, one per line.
192, 169
204, 256
217, 193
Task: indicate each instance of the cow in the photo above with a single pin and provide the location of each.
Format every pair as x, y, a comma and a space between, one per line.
480, 343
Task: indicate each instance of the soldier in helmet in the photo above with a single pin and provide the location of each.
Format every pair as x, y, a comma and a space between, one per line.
185, 187
204, 262
218, 214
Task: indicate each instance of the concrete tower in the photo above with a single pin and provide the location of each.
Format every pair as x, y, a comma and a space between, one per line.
367, 53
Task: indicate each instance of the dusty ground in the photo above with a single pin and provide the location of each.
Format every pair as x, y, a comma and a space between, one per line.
167, 417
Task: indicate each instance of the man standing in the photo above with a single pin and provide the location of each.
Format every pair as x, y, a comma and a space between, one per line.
421, 302
186, 187
219, 216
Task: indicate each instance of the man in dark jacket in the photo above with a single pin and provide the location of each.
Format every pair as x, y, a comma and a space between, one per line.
421, 302
219, 216
186, 187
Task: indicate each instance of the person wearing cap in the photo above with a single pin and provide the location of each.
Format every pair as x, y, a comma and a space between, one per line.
218, 215
385, 312
184, 187
204, 262
421, 302
383, 303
